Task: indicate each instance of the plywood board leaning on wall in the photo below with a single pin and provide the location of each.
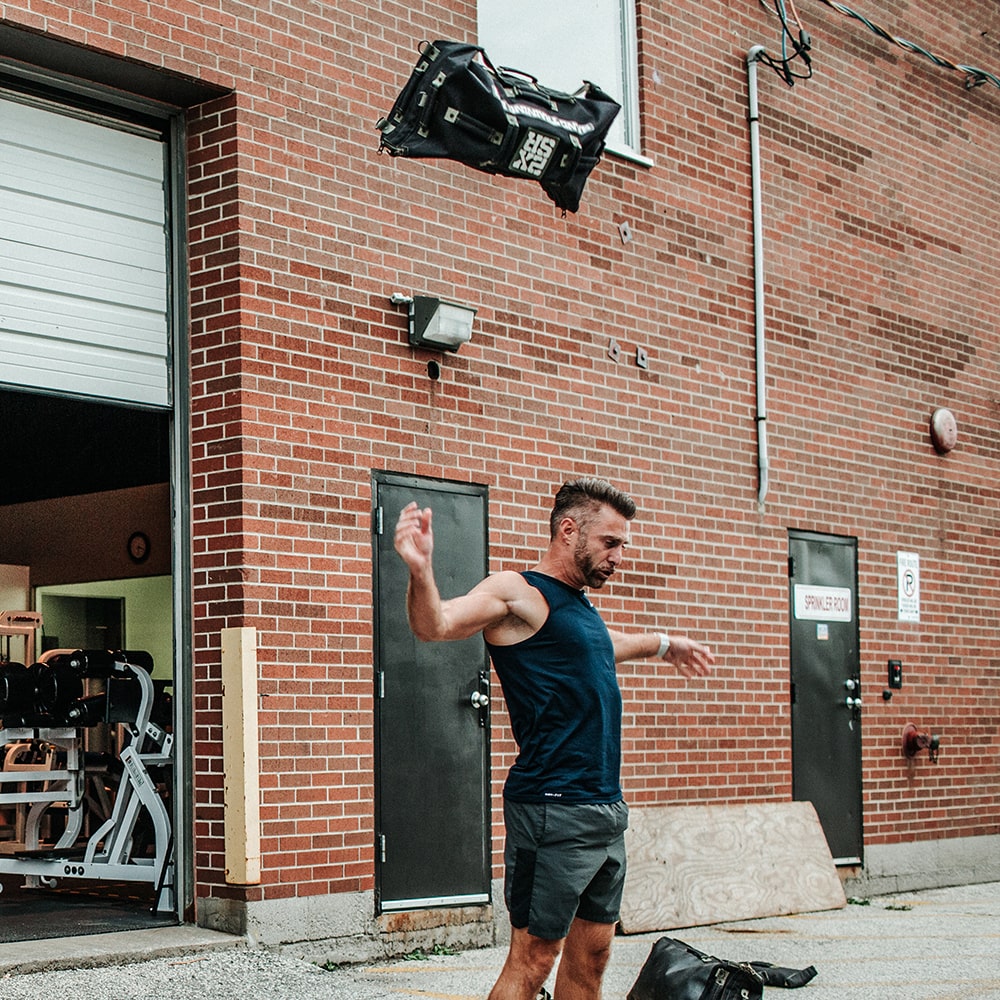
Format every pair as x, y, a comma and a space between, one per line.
696, 865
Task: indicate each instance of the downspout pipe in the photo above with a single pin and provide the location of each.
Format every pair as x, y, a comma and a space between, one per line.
760, 416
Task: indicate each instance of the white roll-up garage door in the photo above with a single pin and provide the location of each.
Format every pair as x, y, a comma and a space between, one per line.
83, 257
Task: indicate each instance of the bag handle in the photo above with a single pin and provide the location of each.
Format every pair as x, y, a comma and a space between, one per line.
520, 72
525, 85
503, 74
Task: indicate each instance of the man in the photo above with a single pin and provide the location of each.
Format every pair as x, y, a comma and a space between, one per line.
564, 815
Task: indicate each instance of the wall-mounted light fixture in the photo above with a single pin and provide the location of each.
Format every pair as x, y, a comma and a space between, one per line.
436, 324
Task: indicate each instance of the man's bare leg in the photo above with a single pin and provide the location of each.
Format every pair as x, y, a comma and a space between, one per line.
584, 959
529, 962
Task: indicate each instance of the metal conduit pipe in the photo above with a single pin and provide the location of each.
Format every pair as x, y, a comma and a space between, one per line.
753, 57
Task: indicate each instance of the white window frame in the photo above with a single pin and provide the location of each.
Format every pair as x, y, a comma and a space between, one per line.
514, 34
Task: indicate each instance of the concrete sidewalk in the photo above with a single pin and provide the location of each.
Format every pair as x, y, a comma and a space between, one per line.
940, 944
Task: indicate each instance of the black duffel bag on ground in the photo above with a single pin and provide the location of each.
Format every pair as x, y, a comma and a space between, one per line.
457, 105
677, 971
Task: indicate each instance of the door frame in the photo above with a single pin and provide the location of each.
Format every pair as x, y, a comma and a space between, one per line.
51, 75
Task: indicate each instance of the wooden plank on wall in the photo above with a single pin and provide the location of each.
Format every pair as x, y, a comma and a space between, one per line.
696, 865
240, 756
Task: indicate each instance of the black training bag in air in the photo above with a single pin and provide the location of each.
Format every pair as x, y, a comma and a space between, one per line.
457, 105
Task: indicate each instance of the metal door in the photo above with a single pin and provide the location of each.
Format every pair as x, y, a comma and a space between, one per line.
826, 686
432, 726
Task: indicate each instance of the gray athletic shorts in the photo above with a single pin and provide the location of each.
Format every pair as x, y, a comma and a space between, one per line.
563, 861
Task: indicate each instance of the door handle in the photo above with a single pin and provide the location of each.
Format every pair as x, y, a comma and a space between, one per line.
478, 699
853, 699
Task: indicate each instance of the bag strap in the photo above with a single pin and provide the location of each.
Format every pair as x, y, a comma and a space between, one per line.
790, 979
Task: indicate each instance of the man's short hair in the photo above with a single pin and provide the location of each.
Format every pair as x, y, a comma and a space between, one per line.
582, 498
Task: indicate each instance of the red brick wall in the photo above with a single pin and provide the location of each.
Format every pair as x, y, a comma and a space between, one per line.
881, 214
882, 206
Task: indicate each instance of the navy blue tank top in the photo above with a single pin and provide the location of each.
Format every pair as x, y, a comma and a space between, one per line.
564, 703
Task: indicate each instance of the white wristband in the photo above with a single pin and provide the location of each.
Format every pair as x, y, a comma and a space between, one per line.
664, 645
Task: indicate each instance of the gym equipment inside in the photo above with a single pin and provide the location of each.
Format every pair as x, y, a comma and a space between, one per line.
85, 777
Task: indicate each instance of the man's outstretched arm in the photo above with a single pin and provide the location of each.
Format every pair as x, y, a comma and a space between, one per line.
432, 619
693, 659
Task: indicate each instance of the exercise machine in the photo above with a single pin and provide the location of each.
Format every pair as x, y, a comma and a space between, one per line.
44, 712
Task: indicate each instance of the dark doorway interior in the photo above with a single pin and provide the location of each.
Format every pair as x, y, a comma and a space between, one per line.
58, 446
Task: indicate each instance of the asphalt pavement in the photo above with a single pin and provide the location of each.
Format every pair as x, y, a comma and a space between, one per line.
936, 944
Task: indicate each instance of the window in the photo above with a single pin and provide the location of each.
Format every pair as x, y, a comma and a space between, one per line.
563, 43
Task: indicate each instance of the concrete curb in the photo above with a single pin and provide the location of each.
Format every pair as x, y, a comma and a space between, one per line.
97, 950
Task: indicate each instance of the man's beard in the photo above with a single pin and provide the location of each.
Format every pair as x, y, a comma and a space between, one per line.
596, 574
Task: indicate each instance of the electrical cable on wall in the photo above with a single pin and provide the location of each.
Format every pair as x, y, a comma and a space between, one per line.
800, 44
974, 77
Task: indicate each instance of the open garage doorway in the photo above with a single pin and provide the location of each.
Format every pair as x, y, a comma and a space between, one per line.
86, 557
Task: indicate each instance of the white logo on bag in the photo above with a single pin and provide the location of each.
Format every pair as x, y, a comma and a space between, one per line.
523, 109
534, 154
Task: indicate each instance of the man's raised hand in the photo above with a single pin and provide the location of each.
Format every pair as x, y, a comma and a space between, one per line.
414, 536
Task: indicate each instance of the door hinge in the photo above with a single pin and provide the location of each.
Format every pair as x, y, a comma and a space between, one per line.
791, 567
381, 848
381, 684
377, 520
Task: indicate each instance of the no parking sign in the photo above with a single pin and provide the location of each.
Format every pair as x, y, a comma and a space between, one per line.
908, 586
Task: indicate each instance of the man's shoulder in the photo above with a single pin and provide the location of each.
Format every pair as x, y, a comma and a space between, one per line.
527, 609
507, 584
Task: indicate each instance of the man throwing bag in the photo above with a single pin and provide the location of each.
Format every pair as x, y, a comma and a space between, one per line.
564, 814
